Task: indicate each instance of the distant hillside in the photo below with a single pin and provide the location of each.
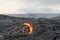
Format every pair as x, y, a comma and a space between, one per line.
4, 16
34, 15
58, 17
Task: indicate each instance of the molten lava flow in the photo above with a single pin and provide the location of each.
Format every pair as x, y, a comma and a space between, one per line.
23, 30
30, 27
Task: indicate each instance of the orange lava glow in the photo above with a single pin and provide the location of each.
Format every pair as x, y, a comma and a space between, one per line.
30, 27
22, 30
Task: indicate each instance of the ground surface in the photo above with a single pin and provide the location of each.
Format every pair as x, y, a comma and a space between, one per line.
44, 29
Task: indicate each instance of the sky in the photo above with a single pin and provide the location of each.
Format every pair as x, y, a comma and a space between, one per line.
29, 6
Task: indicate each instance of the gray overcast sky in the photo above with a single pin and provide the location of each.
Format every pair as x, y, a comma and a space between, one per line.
29, 6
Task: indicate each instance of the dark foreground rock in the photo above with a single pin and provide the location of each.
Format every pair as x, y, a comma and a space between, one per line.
44, 29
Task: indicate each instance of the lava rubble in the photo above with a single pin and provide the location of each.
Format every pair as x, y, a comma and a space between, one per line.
43, 29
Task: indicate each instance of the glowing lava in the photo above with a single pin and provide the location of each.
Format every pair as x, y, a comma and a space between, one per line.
30, 27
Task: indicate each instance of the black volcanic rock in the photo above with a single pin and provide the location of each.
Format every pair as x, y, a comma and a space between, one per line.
44, 29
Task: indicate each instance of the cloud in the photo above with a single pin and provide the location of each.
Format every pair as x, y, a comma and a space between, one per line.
41, 6
44, 1
29, 6
40, 10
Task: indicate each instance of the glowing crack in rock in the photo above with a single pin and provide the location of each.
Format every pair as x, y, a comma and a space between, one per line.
30, 27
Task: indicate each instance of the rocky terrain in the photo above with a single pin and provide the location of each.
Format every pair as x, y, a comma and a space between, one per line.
43, 28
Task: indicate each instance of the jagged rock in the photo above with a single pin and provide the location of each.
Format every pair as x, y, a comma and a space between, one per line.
44, 29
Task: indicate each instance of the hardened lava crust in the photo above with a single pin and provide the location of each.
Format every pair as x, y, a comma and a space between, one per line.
20, 28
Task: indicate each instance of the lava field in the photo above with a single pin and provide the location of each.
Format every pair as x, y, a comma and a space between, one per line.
19, 28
